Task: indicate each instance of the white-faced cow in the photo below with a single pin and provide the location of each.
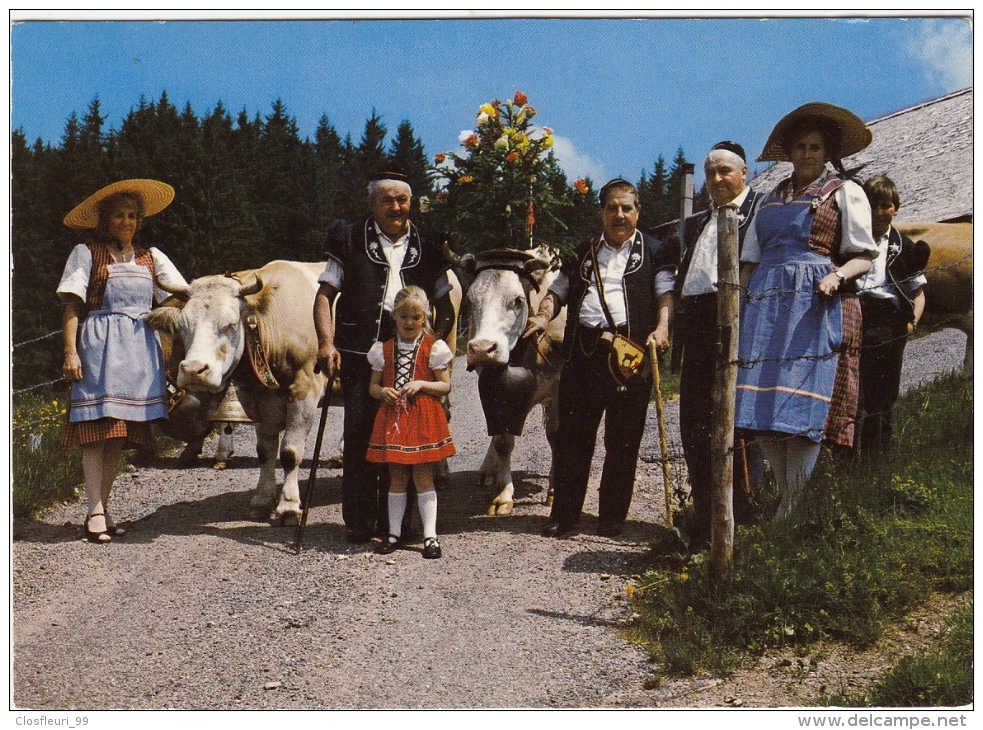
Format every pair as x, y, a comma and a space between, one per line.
257, 328
949, 291
514, 374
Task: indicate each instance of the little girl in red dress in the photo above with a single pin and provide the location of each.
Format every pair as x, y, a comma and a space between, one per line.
409, 375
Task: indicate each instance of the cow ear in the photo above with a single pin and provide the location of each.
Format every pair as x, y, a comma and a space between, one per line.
164, 319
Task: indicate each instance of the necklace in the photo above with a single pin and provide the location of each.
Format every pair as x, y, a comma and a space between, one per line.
120, 256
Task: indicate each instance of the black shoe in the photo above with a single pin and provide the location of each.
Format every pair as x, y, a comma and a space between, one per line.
388, 545
557, 529
610, 529
357, 535
431, 548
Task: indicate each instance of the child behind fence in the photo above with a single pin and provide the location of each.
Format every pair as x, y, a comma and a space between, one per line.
409, 375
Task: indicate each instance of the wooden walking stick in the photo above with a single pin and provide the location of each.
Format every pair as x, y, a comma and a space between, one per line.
659, 410
309, 492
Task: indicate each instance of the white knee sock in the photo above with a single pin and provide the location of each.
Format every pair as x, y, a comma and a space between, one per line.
800, 459
427, 502
397, 506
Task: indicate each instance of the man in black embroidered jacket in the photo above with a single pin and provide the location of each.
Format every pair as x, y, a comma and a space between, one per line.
637, 275
368, 262
695, 339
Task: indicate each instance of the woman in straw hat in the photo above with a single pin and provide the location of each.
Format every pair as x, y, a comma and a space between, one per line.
800, 324
112, 358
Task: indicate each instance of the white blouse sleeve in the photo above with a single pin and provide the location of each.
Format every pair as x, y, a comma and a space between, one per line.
165, 272
856, 220
376, 359
440, 355
75, 279
751, 250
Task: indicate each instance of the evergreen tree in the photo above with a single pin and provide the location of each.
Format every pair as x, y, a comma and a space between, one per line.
370, 155
406, 154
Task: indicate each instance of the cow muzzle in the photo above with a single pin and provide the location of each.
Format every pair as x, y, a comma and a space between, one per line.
486, 352
197, 375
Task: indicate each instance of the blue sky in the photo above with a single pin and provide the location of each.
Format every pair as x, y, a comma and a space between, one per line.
617, 92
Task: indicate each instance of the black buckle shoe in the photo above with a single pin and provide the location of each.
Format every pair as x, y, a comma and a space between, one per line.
431, 548
388, 545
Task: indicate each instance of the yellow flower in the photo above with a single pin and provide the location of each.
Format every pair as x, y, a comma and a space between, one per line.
465, 179
489, 110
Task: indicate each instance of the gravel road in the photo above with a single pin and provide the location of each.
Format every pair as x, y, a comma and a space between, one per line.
198, 608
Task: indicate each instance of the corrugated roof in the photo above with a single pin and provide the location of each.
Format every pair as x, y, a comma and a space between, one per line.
927, 149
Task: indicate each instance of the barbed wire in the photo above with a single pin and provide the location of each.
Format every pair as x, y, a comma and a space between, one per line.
39, 385
36, 339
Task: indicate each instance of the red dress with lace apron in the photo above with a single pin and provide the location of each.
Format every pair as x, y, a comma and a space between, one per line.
412, 430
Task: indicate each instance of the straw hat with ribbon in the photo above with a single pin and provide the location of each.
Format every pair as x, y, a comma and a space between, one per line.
155, 195
853, 134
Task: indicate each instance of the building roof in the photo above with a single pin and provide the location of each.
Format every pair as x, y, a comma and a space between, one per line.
927, 149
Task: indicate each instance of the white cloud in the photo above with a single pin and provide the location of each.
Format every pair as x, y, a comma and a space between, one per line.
577, 164
946, 49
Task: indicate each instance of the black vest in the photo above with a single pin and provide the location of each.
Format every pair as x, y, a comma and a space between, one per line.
695, 225
905, 259
356, 247
648, 256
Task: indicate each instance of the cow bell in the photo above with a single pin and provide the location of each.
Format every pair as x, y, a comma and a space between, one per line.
230, 409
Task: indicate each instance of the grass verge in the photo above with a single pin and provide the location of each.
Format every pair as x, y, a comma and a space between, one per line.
868, 543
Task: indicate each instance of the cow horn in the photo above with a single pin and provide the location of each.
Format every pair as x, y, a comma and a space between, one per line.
252, 288
177, 290
466, 262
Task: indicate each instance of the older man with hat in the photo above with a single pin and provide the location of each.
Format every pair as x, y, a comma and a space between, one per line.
368, 262
695, 336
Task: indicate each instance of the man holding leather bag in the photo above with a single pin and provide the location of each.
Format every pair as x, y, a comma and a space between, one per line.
618, 289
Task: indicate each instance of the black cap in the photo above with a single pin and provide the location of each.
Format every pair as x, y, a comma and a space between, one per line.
390, 175
610, 184
730, 147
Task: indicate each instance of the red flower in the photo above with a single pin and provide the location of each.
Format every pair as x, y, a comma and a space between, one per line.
471, 141
439, 157
512, 157
520, 99
580, 185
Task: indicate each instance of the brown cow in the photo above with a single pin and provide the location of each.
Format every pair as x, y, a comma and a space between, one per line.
949, 291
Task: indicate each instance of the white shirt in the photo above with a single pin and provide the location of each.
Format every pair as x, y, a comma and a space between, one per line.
75, 278
612, 263
440, 354
875, 282
854, 216
701, 277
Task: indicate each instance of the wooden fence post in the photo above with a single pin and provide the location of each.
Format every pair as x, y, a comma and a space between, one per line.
722, 397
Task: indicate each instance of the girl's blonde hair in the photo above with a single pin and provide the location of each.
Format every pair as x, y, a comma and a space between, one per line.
414, 297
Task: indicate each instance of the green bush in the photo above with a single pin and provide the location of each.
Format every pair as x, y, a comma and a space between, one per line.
44, 472
869, 542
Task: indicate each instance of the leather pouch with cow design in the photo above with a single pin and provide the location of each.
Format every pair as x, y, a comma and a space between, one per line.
625, 359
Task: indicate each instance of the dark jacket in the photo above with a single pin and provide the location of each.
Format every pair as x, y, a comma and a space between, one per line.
647, 257
905, 259
360, 306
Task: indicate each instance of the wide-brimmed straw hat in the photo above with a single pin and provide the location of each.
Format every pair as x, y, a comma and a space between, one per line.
155, 195
854, 134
